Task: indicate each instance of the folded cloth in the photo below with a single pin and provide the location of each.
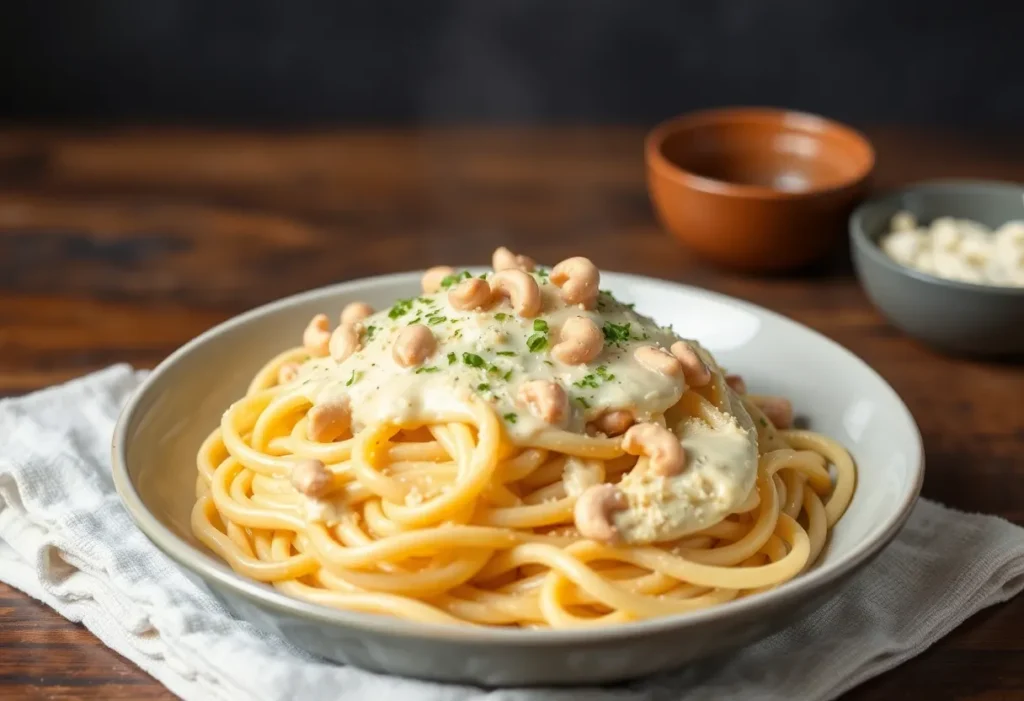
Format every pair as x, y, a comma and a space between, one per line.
66, 540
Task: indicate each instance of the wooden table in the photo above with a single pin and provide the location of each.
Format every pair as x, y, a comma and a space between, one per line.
119, 245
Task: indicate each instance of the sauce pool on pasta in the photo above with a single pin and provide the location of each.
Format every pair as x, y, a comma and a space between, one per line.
516, 449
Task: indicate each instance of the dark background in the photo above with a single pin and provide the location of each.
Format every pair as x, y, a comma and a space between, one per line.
497, 61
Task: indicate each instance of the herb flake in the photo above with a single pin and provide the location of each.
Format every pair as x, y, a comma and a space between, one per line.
473, 360
616, 333
452, 279
400, 308
537, 342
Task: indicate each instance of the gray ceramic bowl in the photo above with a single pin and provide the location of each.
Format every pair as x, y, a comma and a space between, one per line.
952, 316
160, 430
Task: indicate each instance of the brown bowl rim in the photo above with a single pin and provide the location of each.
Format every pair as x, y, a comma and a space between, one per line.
657, 161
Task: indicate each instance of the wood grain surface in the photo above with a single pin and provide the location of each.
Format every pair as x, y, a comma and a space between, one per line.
120, 245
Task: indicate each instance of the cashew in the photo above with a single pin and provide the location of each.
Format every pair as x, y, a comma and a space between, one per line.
470, 294
433, 278
545, 400
520, 288
695, 370
344, 342
658, 360
580, 341
287, 373
665, 454
579, 280
327, 421
356, 311
413, 345
317, 336
778, 410
736, 384
612, 423
311, 477
504, 259
595, 509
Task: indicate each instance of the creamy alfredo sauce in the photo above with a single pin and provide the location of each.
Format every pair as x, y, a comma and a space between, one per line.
721, 471
491, 353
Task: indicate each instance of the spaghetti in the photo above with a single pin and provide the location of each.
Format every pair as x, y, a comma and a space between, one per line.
516, 449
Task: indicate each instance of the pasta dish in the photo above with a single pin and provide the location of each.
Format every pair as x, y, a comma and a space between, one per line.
516, 449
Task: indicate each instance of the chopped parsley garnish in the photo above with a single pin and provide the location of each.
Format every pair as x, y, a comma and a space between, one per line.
435, 320
540, 325
494, 369
548, 362
507, 354
507, 375
511, 418
616, 333
401, 308
763, 422
482, 276
542, 273
501, 316
354, 378
451, 359
593, 380
429, 368
537, 342
483, 387
424, 300
473, 360
582, 402
454, 278
370, 331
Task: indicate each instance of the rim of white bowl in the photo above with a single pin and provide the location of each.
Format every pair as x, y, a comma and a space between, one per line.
211, 570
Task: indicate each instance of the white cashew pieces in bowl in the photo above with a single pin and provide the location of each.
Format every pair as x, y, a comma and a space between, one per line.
686, 479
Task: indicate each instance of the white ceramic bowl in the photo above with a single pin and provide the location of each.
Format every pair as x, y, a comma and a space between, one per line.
161, 428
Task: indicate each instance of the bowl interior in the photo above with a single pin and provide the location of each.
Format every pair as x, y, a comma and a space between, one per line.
183, 399
989, 203
776, 150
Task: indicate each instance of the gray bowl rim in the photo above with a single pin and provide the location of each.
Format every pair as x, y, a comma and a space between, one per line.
869, 244
261, 595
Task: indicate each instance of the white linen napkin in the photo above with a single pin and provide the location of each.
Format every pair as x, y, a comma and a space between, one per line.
66, 540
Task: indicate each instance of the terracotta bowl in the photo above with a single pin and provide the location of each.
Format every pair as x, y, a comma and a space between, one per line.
756, 189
